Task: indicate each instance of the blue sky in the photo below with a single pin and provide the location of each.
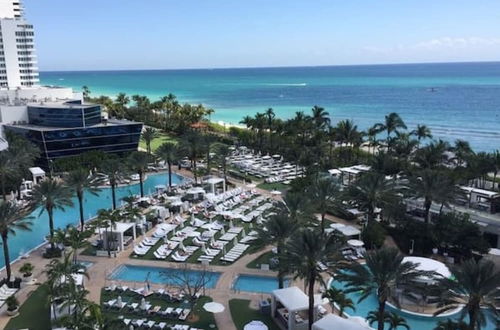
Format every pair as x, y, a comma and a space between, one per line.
157, 34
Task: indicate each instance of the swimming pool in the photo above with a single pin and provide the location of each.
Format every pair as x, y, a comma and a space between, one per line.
414, 321
259, 284
161, 275
24, 241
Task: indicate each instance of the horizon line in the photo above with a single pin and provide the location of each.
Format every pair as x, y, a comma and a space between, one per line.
272, 67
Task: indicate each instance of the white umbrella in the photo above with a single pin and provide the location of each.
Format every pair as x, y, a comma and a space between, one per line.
275, 192
255, 325
214, 307
143, 304
222, 231
251, 185
243, 233
212, 240
231, 225
181, 246
192, 218
165, 239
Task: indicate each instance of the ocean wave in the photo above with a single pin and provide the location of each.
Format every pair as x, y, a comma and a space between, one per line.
286, 84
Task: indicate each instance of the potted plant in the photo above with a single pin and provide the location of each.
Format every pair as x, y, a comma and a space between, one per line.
12, 305
27, 271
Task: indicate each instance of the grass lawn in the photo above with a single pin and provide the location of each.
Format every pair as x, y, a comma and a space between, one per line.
264, 258
243, 314
34, 313
274, 186
158, 141
199, 318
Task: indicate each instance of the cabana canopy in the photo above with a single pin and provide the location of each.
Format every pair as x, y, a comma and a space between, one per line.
427, 264
347, 231
294, 299
332, 321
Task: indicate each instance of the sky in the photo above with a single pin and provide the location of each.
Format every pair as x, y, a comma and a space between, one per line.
173, 34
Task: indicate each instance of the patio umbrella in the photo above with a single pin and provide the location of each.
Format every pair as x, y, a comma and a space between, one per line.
255, 325
181, 245
212, 240
355, 243
251, 185
275, 192
214, 307
143, 304
231, 225
222, 231
119, 301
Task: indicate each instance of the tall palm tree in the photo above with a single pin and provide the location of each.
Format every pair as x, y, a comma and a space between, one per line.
109, 219
324, 193
432, 155
338, 299
51, 194
169, 153
115, 171
475, 285
384, 271
12, 218
148, 135
270, 119
278, 230
191, 146
392, 123
432, 185
223, 152
320, 117
495, 158
81, 181
306, 253
138, 163
371, 191
462, 151
8, 168
422, 132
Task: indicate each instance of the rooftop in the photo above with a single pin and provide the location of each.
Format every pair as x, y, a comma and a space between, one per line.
110, 122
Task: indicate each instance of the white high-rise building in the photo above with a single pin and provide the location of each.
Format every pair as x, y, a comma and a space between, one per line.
18, 63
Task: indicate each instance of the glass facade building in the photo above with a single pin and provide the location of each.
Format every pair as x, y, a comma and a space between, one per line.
68, 129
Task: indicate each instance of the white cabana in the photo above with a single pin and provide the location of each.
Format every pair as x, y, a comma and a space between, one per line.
292, 301
427, 264
332, 321
348, 231
117, 234
213, 182
37, 173
355, 243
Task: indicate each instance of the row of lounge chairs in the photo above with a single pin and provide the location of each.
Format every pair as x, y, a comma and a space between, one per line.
6, 292
235, 252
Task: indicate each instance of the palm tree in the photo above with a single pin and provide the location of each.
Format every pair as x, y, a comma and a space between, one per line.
495, 158
338, 299
191, 146
475, 285
12, 218
320, 117
115, 171
8, 168
77, 239
270, 118
392, 123
324, 192
462, 150
384, 271
371, 191
223, 152
396, 321
51, 194
148, 135
278, 230
81, 181
138, 163
86, 92
374, 316
422, 132
305, 253
432, 155
169, 153
432, 185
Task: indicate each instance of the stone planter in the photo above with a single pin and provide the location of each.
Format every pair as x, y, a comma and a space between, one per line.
13, 312
27, 279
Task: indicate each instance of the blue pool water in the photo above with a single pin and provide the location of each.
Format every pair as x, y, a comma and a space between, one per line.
414, 321
160, 275
260, 284
24, 241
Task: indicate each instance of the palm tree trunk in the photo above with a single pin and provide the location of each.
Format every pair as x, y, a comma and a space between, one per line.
472, 319
141, 184
169, 175
195, 171
323, 222
311, 302
427, 214
6, 256
4, 195
113, 195
381, 312
79, 195
281, 283
51, 227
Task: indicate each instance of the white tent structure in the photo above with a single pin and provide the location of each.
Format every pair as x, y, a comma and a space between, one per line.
427, 264
332, 321
346, 230
38, 174
118, 233
293, 302
213, 182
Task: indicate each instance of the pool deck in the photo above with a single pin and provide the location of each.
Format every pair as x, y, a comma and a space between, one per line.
103, 266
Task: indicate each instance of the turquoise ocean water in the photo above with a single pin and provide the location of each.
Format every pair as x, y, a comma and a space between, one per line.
457, 100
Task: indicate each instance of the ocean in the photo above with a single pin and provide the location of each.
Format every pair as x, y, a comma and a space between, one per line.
456, 100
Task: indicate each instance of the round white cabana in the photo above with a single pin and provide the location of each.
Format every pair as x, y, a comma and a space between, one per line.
429, 265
